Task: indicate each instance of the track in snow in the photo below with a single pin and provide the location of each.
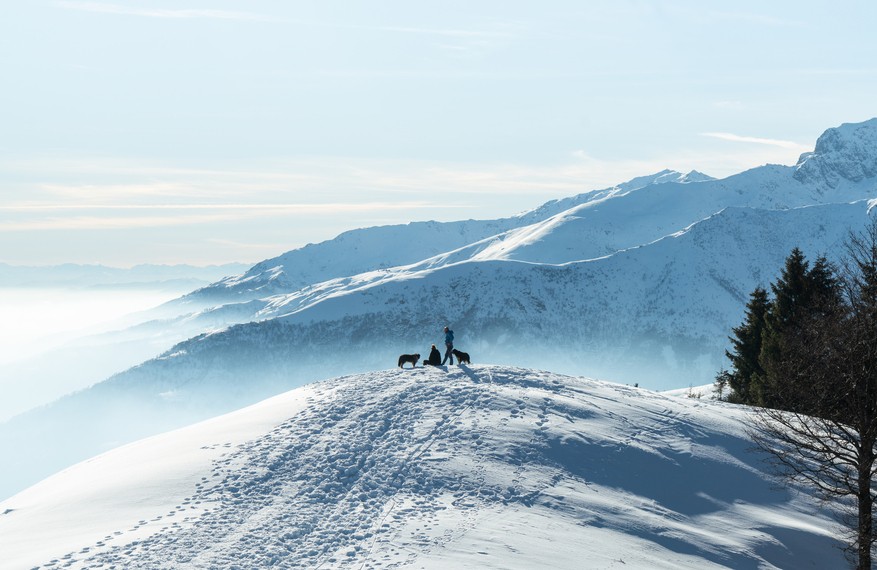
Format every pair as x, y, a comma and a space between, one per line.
400, 467
328, 487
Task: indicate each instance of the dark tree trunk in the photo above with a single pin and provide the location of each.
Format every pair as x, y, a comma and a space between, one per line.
865, 523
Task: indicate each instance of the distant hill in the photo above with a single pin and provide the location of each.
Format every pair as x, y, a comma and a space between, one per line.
639, 283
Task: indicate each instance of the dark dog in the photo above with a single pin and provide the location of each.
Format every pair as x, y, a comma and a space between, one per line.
462, 357
411, 358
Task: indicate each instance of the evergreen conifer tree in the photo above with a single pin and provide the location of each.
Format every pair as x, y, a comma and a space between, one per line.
791, 295
791, 291
825, 292
803, 295
746, 348
826, 379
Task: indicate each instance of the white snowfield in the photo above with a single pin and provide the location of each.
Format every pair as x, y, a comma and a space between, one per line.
458, 467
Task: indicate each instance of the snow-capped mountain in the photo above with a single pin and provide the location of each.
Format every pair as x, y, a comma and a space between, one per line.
583, 227
665, 307
634, 213
640, 283
842, 155
370, 249
678, 295
476, 467
252, 295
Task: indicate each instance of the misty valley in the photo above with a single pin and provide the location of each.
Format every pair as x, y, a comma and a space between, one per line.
578, 315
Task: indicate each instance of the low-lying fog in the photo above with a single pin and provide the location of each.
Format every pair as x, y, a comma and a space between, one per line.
51, 343
35, 320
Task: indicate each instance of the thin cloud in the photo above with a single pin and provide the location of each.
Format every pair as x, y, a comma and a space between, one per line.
733, 105
109, 223
833, 72
757, 140
760, 19
86, 194
361, 191
166, 13
304, 208
190, 13
439, 32
117, 217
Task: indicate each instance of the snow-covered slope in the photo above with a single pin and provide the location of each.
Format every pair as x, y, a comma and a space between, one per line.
688, 287
369, 249
481, 467
680, 259
601, 228
657, 315
299, 273
582, 227
302, 273
841, 169
843, 154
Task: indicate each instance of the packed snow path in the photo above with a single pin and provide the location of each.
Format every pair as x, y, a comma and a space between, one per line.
485, 467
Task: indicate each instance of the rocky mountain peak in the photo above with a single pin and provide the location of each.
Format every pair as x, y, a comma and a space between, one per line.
847, 152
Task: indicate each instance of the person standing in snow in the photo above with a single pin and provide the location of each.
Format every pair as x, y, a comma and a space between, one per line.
449, 346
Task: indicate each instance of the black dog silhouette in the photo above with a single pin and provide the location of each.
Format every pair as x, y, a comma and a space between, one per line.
462, 357
411, 358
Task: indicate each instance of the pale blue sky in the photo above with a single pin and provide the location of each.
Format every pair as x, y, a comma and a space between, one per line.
211, 131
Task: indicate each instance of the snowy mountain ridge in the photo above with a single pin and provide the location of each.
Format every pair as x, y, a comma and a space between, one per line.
586, 226
844, 153
368, 249
844, 158
469, 467
665, 307
639, 283
242, 298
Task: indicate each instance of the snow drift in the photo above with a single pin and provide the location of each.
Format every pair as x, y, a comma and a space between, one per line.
476, 467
